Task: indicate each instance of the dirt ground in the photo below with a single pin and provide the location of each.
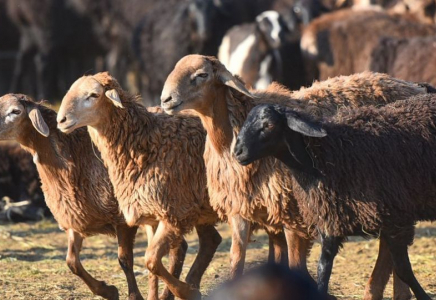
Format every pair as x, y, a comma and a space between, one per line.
32, 263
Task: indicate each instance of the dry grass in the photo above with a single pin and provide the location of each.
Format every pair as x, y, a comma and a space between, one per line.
32, 263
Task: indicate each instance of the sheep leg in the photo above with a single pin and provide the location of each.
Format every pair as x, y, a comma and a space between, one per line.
240, 236
298, 249
400, 258
380, 277
209, 240
176, 258
73, 261
165, 236
21, 61
278, 249
330, 247
153, 280
126, 239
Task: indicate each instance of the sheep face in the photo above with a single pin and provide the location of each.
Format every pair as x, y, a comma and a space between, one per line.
194, 83
273, 130
17, 114
261, 133
84, 98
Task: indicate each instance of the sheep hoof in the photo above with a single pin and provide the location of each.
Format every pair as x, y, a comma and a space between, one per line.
109, 292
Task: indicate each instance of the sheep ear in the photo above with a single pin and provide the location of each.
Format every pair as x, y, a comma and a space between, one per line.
114, 97
228, 79
304, 127
38, 121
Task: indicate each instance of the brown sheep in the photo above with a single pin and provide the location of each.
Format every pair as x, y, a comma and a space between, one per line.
367, 170
261, 192
341, 43
66, 163
155, 165
411, 59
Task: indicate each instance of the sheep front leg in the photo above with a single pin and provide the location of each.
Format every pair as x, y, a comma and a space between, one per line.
240, 236
126, 238
380, 277
165, 236
278, 249
209, 240
330, 247
153, 281
73, 261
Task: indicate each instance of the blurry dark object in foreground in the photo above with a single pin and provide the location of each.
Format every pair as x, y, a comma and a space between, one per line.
269, 282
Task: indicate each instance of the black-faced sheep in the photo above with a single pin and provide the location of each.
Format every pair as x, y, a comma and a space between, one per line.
390, 153
411, 59
155, 165
341, 43
261, 192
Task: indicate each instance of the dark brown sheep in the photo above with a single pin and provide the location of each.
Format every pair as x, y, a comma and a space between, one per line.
388, 150
262, 192
155, 165
341, 43
411, 59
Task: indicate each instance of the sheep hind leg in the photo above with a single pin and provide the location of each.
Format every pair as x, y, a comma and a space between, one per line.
380, 277
330, 247
126, 239
278, 249
298, 250
165, 236
400, 258
209, 240
240, 236
73, 261
176, 260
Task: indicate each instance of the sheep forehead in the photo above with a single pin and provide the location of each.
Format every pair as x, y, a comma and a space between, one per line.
85, 85
191, 63
7, 101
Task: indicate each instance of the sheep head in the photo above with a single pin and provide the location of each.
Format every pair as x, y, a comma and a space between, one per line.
87, 95
17, 114
194, 83
277, 131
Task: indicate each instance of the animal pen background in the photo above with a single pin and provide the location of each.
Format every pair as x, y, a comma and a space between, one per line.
45, 45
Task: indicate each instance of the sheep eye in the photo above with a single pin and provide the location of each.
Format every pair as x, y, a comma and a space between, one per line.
93, 95
16, 112
202, 75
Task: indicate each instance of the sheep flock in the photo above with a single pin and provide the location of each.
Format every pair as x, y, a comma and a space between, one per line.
208, 136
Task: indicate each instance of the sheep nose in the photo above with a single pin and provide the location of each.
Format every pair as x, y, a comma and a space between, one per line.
166, 100
238, 149
62, 120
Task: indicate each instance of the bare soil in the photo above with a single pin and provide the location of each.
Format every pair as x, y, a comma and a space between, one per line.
32, 262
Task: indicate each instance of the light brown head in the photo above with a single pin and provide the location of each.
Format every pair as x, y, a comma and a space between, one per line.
195, 81
17, 114
86, 99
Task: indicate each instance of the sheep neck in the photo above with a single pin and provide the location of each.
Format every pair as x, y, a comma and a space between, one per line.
216, 121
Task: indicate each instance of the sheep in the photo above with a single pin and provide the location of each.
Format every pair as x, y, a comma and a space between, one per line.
341, 43
390, 152
262, 192
264, 51
76, 188
409, 59
66, 163
155, 166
